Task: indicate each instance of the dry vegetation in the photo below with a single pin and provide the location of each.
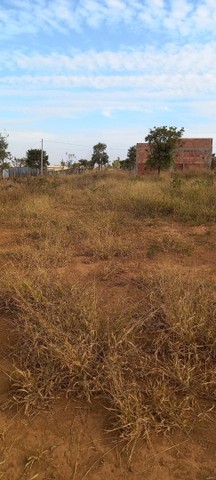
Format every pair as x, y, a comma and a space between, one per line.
149, 357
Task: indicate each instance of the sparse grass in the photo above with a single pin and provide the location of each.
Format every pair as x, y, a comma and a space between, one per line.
119, 199
163, 361
153, 366
57, 322
169, 244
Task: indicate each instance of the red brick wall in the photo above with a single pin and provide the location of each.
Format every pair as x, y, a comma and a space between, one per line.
194, 153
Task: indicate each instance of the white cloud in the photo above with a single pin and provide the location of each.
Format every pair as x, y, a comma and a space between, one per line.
106, 82
178, 85
179, 16
168, 59
59, 104
107, 113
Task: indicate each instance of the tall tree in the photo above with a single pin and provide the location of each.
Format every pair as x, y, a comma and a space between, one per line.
131, 157
163, 141
130, 161
33, 158
4, 154
99, 156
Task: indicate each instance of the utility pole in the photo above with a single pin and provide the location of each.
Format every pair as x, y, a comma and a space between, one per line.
42, 156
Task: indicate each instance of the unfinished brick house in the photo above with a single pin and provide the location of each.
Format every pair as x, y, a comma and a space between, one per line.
195, 153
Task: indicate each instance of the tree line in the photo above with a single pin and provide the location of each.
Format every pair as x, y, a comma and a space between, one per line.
32, 159
162, 143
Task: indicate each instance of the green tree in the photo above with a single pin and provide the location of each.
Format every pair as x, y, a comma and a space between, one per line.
131, 157
33, 158
85, 164
130, 161
163, 141
99, 156
4, 154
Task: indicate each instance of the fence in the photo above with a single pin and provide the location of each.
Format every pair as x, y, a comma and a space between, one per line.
13, 172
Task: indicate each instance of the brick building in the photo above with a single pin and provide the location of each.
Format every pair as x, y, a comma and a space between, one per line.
194, 153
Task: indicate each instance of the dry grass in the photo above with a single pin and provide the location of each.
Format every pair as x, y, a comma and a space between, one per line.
169, 244
58, 328
122, 197
153, 366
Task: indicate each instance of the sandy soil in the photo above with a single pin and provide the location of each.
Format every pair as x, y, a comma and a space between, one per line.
70, 441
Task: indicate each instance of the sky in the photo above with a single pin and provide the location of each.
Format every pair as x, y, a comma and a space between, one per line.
78, 72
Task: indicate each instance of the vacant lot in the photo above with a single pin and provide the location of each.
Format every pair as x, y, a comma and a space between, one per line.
108, 327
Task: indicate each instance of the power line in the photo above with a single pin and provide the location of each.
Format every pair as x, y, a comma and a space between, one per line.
78, 145
66, 143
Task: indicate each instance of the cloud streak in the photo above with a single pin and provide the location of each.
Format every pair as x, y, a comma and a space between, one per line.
183, 17
168, 58
178, 85
171, 71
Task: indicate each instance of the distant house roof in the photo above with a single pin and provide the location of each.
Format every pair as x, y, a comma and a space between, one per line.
56, 168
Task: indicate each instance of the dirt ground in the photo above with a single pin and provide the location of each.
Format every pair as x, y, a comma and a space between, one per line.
70, 440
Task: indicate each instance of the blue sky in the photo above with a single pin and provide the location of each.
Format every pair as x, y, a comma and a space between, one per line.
79, 72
